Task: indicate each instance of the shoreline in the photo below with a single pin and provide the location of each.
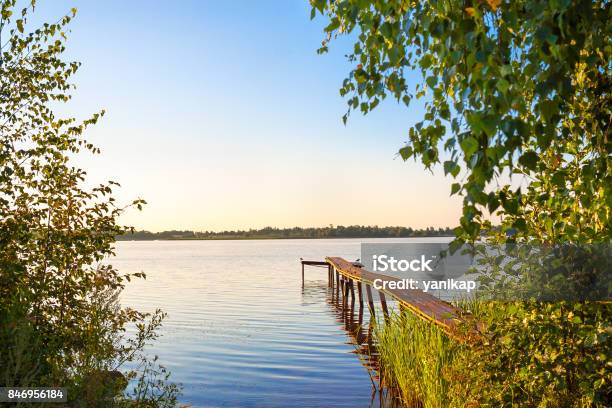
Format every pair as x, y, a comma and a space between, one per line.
277, 238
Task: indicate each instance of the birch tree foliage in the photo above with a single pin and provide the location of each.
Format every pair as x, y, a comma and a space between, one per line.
518, 88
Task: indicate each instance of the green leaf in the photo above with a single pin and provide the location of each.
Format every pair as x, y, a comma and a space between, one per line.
406, 152
432, 81
520, 224
426, 61
503, 85
469, 146
548, 108
455, 187
451, 167
489, 125
474, 119
529, 160
492, 203
334, 24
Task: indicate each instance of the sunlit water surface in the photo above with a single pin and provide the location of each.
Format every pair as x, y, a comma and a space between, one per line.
241, 330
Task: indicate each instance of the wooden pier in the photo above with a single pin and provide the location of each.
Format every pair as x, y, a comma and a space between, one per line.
350, 279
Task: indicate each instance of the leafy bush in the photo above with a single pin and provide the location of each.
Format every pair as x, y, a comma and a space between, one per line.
60, 320
546, 354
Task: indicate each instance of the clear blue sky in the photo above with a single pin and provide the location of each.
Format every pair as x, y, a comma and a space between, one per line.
221, 115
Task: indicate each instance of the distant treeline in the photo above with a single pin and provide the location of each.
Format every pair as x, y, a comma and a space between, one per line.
353, 231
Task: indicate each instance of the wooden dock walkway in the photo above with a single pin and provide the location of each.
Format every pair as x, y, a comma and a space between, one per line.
344, 276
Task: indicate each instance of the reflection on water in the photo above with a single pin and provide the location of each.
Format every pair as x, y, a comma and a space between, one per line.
358, 323
243, 332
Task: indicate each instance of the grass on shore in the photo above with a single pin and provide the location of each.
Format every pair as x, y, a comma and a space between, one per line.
418, 362
425, 368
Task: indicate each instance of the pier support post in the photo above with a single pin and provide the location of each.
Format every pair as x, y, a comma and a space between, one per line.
352, 288
359, 290
370, 300
345, 292
337, 284
302, 274
383, 303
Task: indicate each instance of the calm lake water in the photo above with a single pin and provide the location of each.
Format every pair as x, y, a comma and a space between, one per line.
242, 331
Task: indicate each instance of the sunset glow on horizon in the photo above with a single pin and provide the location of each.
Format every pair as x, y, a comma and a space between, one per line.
226, 118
